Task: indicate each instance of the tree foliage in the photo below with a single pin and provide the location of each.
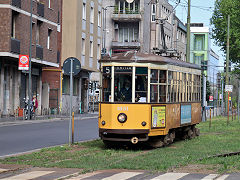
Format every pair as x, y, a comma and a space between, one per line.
219, 19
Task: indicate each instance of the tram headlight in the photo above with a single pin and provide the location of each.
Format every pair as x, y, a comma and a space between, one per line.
103, 123
144, 123
122, 118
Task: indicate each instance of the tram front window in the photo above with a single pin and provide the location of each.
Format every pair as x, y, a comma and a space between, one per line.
123, 84
123, 88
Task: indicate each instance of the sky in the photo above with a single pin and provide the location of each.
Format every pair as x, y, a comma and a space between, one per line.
201, 12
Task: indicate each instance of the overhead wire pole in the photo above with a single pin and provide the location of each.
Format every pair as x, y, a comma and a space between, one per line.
188, 31
227, 60
30, 66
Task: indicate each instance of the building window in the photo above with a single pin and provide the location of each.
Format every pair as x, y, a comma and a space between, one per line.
92, 15
65, 85
91, 49
84, 11
128, 34
83, 46
99, 19
38, 32
199, 42
13, 30
49, 38
153, 13
49, 3
98, 51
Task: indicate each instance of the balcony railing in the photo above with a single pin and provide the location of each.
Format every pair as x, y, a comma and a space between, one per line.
39, 52
126, 11
16, 3
126, 15
15, 46
133, 44
40, 9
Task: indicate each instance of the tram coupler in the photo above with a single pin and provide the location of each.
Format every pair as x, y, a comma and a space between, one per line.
134, 140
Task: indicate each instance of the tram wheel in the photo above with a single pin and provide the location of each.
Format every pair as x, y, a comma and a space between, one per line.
190, 134
172, 136
166, 140
197, 131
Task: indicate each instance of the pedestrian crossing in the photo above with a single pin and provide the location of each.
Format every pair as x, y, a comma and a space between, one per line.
117, 175
3, 170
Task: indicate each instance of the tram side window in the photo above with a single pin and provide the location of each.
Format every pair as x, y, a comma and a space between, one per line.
123, 84
158, 85
107, 85
141, 84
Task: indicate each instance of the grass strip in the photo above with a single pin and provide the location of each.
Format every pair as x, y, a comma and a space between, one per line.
90, 156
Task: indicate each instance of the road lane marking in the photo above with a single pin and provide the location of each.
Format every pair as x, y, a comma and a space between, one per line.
82, 176
168, 176
210, 177
29, 175
122, 176
3, 170
223, 177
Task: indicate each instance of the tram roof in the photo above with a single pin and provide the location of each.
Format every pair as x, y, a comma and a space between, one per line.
131, 56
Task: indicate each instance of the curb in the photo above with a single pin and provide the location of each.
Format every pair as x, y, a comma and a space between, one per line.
20, 122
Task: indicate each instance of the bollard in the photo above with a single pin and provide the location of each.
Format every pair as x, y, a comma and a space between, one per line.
210, 122
72, 127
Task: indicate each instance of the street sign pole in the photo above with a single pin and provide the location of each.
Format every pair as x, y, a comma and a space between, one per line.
71, 94
30, 67
228, 108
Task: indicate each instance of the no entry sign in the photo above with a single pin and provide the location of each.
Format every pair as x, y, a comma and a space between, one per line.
23, 62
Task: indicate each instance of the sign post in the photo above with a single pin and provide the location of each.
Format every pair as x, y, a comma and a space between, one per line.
71, 67
23, 63
228, 88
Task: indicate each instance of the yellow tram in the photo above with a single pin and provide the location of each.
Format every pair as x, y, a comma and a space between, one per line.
148, 98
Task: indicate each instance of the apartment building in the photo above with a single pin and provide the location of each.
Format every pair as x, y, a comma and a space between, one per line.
81, 38
179, 38
137, 25
202, 54
15, 40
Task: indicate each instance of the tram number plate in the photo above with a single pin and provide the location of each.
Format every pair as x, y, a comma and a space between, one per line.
122, 108
107, 69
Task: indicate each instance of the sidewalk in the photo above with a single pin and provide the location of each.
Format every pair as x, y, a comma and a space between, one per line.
12, 119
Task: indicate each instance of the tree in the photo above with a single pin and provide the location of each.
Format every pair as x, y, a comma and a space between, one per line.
223, 8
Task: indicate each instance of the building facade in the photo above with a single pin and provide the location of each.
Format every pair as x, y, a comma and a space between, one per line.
15, 40
140, 25
199, 44
81, 38
202, 54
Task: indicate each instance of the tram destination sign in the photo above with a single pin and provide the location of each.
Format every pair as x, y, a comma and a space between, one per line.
123, 69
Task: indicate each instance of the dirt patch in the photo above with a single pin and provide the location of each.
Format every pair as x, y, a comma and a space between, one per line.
197, 168
76, 148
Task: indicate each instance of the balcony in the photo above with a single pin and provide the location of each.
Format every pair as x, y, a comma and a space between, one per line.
40, 9
131, 45
15, 46
39, 52
16, 3
126, 16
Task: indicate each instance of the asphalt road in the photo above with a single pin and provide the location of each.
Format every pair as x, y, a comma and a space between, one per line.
22, 137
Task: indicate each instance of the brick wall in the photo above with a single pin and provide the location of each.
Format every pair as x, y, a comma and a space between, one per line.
23, 29
5, 29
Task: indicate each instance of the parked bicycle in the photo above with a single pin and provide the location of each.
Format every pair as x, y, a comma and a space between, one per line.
26, 107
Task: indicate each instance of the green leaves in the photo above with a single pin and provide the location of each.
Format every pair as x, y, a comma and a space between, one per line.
223, 8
